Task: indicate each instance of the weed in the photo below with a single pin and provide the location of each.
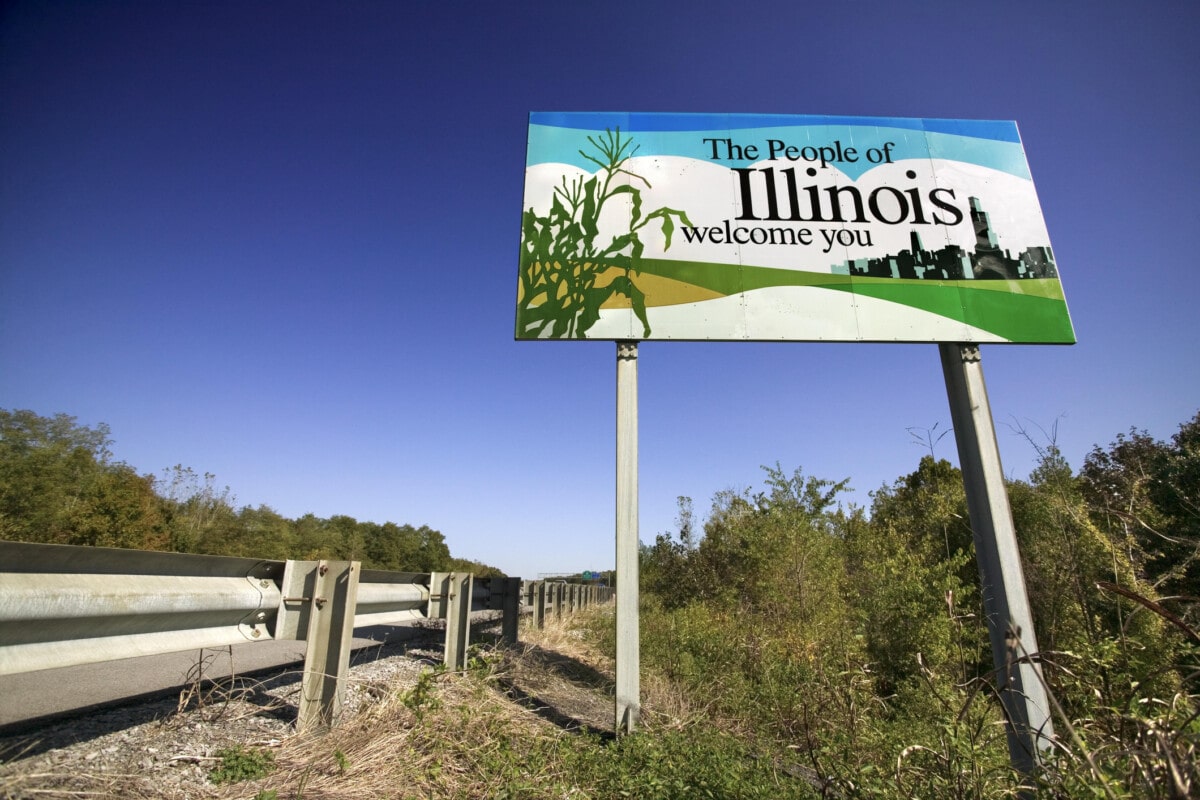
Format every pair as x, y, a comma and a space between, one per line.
216, 697
421, 699
341, 760
482, 661
241, 764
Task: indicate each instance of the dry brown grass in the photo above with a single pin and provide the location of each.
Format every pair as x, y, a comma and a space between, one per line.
510, 722
460, 734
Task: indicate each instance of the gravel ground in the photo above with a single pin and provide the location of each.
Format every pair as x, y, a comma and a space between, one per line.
168, 747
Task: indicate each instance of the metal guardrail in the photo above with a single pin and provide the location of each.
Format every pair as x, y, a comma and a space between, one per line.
62, 605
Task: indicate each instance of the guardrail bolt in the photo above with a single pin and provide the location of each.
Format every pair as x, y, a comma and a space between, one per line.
323, 569
256, 633
264, 583
319, 602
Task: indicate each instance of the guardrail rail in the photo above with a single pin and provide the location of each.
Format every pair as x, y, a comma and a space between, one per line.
62, 605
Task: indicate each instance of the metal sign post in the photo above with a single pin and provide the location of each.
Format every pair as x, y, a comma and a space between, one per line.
628, 702
1005, 602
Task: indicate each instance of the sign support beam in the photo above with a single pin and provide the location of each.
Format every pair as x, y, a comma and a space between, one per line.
628, 695
1005, 601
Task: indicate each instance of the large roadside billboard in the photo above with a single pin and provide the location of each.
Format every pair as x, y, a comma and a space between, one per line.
729, 227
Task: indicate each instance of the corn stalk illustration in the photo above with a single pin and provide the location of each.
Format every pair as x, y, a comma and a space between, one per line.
561, 260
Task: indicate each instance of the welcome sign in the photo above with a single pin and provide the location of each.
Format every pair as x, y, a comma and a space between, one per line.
773, 227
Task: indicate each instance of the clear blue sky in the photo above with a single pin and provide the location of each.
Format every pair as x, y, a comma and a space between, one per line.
278, 242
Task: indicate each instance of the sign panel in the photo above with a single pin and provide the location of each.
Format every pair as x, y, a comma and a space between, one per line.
777, 227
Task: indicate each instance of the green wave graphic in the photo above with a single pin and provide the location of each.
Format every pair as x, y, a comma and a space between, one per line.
1021, 311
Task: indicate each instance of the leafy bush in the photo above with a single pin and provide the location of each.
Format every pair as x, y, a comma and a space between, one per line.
683, 765
857, 641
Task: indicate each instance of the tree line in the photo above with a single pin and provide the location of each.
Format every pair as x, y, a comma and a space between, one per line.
59, 484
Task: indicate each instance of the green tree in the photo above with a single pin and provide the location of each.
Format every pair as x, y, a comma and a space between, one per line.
58, 484
915, 581
929, 509
433, 552
312, 535
476, 568
1145, 494
116, 507
1081, 626
391, 546
44, 462
669, 568
1176, 494
200, 516
263, 533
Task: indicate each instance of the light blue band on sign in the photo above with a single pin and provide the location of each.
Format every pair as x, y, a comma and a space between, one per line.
992, 144
1000, 130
